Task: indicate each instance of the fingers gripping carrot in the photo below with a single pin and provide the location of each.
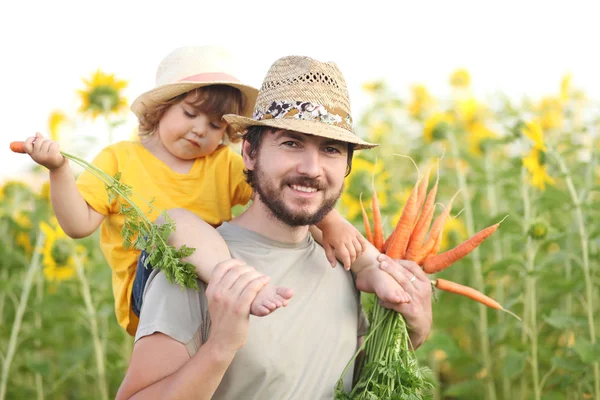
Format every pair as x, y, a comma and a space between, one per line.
368, 232
437, 263
18, 147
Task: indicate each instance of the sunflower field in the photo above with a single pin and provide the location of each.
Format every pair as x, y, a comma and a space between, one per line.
533, 161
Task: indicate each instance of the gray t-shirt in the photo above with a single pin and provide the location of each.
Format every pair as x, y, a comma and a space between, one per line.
299, 351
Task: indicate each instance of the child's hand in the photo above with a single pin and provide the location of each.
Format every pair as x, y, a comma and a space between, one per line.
342, 241
44, 152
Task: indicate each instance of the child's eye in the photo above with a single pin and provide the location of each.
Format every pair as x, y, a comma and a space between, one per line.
215, 126
189, 115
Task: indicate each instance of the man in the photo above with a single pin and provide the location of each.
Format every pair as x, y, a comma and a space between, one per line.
297, 149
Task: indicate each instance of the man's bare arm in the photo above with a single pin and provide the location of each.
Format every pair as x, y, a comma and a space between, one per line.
160, 368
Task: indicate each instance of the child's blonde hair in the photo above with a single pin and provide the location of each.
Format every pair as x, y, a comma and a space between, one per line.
213, 100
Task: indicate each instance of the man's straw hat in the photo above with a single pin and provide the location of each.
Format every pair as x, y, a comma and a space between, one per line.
303, 95
191, 67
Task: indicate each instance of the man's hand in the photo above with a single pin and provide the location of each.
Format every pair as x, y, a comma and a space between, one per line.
231, 290
342, 241
417, 312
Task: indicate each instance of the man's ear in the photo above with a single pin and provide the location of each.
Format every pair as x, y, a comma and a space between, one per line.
248, 161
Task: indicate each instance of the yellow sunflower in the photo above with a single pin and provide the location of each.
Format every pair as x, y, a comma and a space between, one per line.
533, 130
421, 101
377, 130
551, 113
454, 229
372, 86
102, 95
477, 133
467, 109
359, 181
45, 191
460, 78
58, 252
436, 126
565, 86
535, 164
55, 121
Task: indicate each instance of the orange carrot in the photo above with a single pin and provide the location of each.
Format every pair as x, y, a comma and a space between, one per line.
435, 234
453, 287
17, 147
366, 221
397, 246
423, 188
418, 235
467, 291
387, 242
439, 262
377, 224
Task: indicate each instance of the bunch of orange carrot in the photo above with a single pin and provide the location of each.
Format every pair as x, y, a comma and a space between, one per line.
413, 240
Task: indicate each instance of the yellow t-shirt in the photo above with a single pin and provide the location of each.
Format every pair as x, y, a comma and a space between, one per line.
210, 189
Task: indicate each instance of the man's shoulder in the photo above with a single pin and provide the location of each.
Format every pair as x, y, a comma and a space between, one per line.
171, 310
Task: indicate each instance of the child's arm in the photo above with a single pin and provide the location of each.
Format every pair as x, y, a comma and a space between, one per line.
75, 216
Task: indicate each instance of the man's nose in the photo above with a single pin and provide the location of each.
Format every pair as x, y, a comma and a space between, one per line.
310, 163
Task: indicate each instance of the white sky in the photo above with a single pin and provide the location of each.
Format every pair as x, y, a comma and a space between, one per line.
518, 47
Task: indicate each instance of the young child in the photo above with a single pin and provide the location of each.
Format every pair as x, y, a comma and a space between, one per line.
182, 162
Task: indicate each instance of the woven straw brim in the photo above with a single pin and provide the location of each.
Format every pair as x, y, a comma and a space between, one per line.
166, 92
315, 128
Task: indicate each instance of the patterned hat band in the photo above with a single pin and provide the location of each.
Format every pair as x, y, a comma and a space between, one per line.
306, 111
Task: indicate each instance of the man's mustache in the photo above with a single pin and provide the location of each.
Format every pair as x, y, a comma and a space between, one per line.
304, 181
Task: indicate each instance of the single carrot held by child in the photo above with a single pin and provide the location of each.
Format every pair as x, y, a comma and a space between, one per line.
439, 262
18, 147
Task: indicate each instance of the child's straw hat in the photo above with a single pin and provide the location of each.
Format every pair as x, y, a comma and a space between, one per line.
191, 67
303, 95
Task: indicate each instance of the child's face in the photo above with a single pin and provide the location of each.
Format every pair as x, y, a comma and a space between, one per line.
188, 133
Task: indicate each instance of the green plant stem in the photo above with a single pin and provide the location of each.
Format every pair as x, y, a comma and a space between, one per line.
16, 328
589, 292
39, 300
497, 253
478, 275
530, 297
91, 313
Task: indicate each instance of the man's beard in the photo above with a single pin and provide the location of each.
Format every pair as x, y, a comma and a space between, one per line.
272, 197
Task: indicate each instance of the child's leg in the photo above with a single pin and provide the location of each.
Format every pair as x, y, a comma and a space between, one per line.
211, 249
139, 283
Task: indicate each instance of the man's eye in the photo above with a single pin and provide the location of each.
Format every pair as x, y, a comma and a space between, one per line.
332, 150
290, 143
